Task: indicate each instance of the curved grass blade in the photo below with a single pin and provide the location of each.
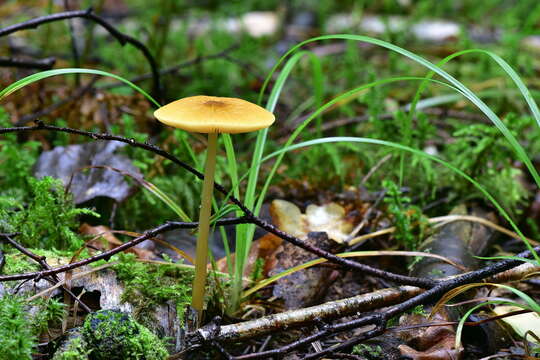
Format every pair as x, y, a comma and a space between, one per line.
245, 232
461, 324
522, 155
527, 95
17, 85
416, 152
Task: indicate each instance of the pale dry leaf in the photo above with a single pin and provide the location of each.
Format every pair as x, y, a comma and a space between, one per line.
520, 323
328, 218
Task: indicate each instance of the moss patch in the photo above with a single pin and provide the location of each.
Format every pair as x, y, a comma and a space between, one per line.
17, 263
75, 348
16, 337
113, 335
149, 285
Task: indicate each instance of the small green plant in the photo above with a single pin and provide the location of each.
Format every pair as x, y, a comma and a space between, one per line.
16, 336
48, 220
19, 328
408, 219
75, 349
51, 313
418, 310
374, 351
481, 151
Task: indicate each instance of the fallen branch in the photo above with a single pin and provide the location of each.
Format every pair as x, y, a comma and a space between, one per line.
41, 64
337, 309
300, 317
502, 271
422, 299
106, 255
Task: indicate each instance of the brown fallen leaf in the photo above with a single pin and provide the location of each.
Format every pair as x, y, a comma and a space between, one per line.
304, 287
262, 248
104, 233
429, 342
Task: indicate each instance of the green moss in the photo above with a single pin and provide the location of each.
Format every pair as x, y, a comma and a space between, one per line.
114, 335
17, 263
374, 351
75, 348
149, 285
51, 312
16, 337
16, 162
48, 220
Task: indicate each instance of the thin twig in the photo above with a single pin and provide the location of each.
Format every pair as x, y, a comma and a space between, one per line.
107, 254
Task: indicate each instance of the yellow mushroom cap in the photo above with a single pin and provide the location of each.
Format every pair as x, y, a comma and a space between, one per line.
212, 114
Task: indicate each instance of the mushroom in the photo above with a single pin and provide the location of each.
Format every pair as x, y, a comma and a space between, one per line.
211, 115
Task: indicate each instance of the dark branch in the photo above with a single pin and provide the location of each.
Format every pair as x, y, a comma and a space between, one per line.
88, 14
106, 255
42, 64
380, 319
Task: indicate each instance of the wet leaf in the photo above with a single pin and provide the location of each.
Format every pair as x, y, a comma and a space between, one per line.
430, 342
64, 161
301, 288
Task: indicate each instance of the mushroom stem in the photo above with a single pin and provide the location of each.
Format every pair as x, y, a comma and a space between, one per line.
201, 256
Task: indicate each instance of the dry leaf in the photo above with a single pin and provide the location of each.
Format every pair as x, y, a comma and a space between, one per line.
431, 342
103, 232
328, 218
301, 288
520, 323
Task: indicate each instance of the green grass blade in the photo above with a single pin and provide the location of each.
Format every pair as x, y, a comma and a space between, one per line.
522, 155
166, 199
17, 85
245, 232
461, 324
232, 168
327, 105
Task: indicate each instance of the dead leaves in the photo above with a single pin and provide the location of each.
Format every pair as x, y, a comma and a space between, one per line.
430, 342
329, 218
